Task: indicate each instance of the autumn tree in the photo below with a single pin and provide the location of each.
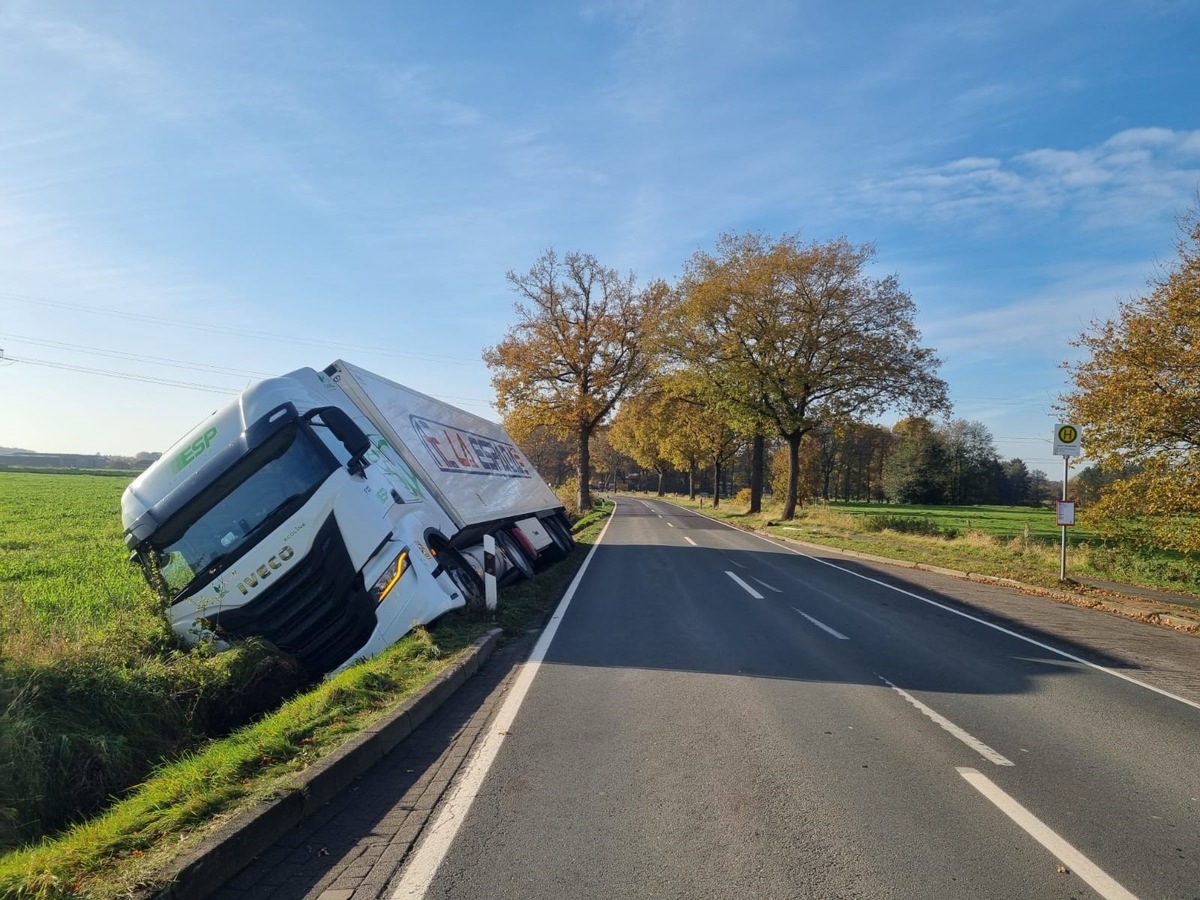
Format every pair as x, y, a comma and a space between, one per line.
1089, 485
808, 485
640, 429
700, 422
584, 338
1137, 396
789, 335
550, 452
719, 443
852, 464
684, 445
608, 461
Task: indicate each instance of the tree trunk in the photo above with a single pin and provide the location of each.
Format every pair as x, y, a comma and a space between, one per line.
585, 469
716, 483
793, 479
757, 456
692, 480
661, 474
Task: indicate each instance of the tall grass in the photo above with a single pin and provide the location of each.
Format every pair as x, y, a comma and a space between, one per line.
909, 525
105, 856
95, 689
1140, 565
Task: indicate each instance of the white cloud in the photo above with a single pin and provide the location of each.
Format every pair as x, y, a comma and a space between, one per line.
1043, 321
1141, 173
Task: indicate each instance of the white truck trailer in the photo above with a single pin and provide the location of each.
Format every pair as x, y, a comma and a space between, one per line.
331, 512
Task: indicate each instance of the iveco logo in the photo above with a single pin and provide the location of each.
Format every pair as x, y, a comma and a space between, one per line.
264, 571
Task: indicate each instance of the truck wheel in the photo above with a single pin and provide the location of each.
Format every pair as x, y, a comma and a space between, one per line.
562, 535
512, 550
556, 551
468, 583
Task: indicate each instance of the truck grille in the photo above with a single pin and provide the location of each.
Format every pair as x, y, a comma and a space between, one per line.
319, 612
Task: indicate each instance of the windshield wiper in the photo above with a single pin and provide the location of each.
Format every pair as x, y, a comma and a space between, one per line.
281, 512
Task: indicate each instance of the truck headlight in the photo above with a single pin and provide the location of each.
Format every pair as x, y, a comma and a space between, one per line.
391, 575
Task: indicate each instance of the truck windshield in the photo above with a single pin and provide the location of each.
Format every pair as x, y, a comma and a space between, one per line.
241, 507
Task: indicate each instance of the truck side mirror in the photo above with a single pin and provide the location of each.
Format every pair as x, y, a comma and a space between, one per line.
346, 430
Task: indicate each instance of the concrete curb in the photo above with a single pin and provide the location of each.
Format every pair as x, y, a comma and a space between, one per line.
234, 844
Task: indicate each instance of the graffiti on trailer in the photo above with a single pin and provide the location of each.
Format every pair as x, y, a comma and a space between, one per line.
455, 450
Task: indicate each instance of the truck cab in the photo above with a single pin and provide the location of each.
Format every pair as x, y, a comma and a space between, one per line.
285, 515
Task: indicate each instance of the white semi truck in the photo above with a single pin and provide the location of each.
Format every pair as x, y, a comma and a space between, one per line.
332, 511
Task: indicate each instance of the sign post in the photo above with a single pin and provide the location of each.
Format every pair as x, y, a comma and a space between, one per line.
1068, 442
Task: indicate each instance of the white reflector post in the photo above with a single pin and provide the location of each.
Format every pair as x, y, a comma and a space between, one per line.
489, 571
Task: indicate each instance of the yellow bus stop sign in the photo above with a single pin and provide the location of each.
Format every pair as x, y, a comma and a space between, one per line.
1067, 440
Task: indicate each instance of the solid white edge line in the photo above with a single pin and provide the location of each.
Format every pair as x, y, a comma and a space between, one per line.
823, 626
958, 612
966, 737
1099, 880
435, 843
749, 590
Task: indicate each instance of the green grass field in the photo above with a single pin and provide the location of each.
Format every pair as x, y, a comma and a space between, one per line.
61, 549
998, 521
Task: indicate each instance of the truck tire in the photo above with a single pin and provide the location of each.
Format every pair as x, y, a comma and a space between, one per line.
561, 535
515, 553
469, 584
522, 540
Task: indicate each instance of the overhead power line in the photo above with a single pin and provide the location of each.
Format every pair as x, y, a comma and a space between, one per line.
135, 357
128, 376
8, 358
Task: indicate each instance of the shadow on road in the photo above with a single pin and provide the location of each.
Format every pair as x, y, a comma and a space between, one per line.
682, 602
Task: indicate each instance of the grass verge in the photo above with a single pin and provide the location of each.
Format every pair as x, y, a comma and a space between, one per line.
991, 542
113, 854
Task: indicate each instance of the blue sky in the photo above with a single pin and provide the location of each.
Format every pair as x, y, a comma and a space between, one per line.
202, 194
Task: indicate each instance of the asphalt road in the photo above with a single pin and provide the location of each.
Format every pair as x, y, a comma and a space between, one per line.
716, 715
720, 717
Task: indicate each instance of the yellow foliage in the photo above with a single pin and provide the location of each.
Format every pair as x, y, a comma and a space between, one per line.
1137, 397
789, 335
585, 337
